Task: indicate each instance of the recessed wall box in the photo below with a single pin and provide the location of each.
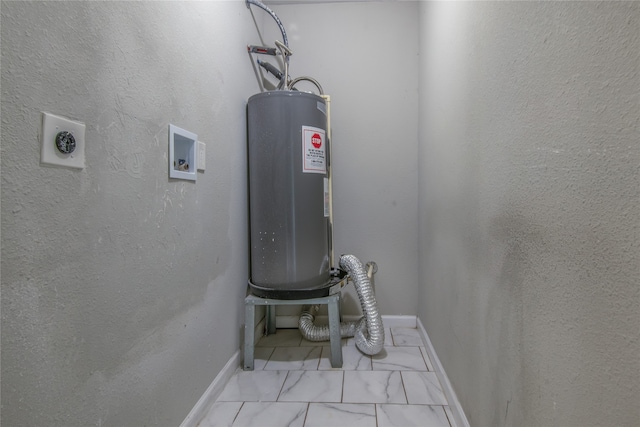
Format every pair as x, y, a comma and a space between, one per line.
183, 153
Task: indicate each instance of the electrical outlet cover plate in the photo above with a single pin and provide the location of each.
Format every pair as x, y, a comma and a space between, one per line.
49, 154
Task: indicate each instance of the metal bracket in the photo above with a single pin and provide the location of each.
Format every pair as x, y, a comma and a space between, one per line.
263, 50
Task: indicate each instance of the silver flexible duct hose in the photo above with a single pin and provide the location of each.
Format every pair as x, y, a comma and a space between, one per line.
369, 330
315, 333
370, 334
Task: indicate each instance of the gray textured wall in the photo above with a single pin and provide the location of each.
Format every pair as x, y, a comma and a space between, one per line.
528, 199
530, 208
121, 289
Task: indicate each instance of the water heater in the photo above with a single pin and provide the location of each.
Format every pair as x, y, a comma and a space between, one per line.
288, 158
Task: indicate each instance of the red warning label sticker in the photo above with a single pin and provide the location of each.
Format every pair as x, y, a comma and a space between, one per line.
313, 150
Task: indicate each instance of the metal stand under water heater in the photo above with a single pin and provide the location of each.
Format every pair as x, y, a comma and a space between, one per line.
290, 203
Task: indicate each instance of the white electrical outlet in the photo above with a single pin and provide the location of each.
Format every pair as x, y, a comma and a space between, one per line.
62, 142
202, 149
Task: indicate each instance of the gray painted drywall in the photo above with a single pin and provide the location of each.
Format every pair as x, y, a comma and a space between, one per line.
121, 289
528, 191
530, 208
365, 56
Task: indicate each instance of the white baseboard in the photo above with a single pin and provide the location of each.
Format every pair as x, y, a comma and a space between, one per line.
389, 321
459, 417
399, 321
288, 322
213, 391
215, 388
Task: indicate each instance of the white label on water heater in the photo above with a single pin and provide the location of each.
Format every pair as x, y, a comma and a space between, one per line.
313, 150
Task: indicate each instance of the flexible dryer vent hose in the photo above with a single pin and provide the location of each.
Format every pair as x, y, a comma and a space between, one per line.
368, 330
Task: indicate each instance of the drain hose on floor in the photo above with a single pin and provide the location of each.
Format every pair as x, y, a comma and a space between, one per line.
368, 330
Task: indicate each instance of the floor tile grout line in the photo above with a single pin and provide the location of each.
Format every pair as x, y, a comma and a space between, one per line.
319, 359
282, 386
423, 358
375, 412
447, 415
269, 358
238, 413
306, 414
406, 396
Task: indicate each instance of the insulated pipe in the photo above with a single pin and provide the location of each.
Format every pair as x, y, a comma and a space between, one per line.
368, 331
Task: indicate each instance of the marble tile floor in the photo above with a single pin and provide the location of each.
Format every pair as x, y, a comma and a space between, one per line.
294, 385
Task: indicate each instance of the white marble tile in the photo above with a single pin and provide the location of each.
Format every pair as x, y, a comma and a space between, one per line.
261, 356
312, 386
252, 386
352, 360
406, 337
221, 414
373, 387
399, 359
341, 414
282, 338
425, 356
271, 414
294, 359
423, 388
411, 415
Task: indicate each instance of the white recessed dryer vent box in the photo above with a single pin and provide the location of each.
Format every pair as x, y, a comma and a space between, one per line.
62, 142
183, 153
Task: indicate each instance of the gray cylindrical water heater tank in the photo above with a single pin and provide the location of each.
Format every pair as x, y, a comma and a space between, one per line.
288, 194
